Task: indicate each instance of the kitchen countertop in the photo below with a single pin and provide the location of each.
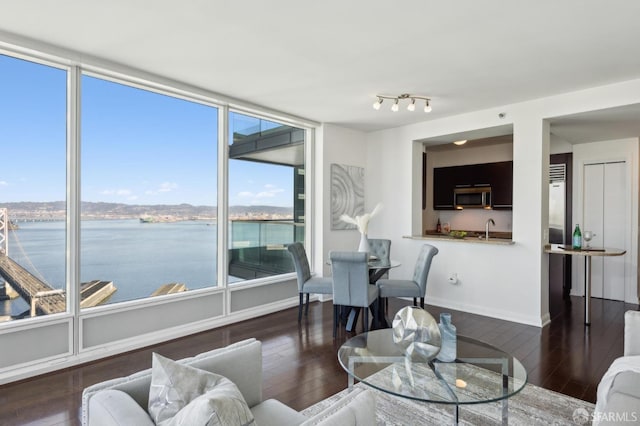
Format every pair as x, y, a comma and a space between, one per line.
500, 238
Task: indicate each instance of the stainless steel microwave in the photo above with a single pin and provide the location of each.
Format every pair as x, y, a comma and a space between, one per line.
474, 197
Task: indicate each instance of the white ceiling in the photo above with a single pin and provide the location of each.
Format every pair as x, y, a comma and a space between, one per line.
326, 60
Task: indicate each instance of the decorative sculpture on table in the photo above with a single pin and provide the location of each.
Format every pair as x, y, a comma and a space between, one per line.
362, 223
417, 332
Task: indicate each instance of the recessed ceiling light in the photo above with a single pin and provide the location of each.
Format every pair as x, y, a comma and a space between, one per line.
462, 142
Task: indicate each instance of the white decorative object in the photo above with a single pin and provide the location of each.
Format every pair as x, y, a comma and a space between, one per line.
362, 223
364, 243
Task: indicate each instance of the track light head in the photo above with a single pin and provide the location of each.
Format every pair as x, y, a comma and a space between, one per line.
412, 105
427, 106
377, 104
395, 106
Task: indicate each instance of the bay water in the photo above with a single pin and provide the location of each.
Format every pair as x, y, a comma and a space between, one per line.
137, 257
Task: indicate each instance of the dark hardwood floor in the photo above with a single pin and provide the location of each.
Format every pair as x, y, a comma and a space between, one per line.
300, 365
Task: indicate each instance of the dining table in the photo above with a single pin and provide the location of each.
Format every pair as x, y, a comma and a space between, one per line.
377, 269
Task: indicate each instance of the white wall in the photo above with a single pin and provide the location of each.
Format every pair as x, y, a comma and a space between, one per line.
509, 282
338, 146
494, 280
559, 145
607, 151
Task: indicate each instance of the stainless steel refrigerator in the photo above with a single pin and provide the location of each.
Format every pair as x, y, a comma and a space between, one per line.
557, 228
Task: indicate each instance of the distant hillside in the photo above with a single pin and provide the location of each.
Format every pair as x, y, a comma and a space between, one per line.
56, 210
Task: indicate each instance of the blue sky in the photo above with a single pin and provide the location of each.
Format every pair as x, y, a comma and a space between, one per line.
138, 147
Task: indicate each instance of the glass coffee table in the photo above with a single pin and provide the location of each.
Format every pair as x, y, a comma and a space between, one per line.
480, 374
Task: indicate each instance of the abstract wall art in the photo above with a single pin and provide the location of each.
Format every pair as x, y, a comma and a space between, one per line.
347, 194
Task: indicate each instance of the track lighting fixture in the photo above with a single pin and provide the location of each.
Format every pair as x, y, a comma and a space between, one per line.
395, 106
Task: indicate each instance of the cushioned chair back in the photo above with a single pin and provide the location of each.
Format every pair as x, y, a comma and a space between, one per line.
380, 248
301, 263
240, 362
350, 278
423, 264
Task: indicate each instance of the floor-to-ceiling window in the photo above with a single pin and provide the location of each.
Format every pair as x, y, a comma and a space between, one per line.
110, 195
111, 187
149, 193
33, 135
145, 180
266, 196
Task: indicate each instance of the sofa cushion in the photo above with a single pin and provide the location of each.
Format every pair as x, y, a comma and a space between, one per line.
627, 382
181, 394
241, 362
621, 409
114, 407
274, 413
358, 408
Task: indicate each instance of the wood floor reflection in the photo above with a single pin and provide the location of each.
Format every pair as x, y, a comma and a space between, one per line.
300, 365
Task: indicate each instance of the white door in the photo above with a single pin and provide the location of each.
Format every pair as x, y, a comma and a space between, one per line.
605, 214
616, 197
594, 221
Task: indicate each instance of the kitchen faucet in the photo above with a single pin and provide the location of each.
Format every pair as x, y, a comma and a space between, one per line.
486, 228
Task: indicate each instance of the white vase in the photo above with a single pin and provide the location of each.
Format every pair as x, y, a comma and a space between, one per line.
364, 243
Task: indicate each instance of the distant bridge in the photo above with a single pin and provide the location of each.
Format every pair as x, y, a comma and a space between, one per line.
40, 296
44, 299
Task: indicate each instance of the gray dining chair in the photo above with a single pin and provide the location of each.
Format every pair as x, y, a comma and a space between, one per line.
306, 283
415, 287
351, 286
380, 248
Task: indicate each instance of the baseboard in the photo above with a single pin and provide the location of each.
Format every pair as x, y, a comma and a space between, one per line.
492, 313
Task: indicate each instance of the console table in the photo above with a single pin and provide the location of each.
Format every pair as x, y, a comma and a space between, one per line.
588, 253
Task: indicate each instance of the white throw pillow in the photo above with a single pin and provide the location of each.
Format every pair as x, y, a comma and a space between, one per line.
206, 398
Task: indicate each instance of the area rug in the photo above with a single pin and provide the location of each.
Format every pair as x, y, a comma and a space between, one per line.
531, 406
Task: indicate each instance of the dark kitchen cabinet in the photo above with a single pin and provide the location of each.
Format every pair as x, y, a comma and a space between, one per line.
502, 185
443, 184
497, 175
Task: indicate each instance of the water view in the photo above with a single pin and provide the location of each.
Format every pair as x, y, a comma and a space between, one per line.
144, 155
137, 257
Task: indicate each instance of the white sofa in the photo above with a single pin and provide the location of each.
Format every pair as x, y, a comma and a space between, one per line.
618, 400
242, 364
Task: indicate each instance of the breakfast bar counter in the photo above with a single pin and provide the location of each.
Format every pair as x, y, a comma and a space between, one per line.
502, 238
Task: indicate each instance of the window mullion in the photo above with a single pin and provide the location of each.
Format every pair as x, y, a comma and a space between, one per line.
223, 184
73, 201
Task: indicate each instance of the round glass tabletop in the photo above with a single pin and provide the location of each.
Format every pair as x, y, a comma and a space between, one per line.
481, 373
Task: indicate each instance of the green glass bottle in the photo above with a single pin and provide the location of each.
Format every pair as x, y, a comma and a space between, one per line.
577, 238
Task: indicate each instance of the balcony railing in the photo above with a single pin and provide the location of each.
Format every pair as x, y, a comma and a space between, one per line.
258, 248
